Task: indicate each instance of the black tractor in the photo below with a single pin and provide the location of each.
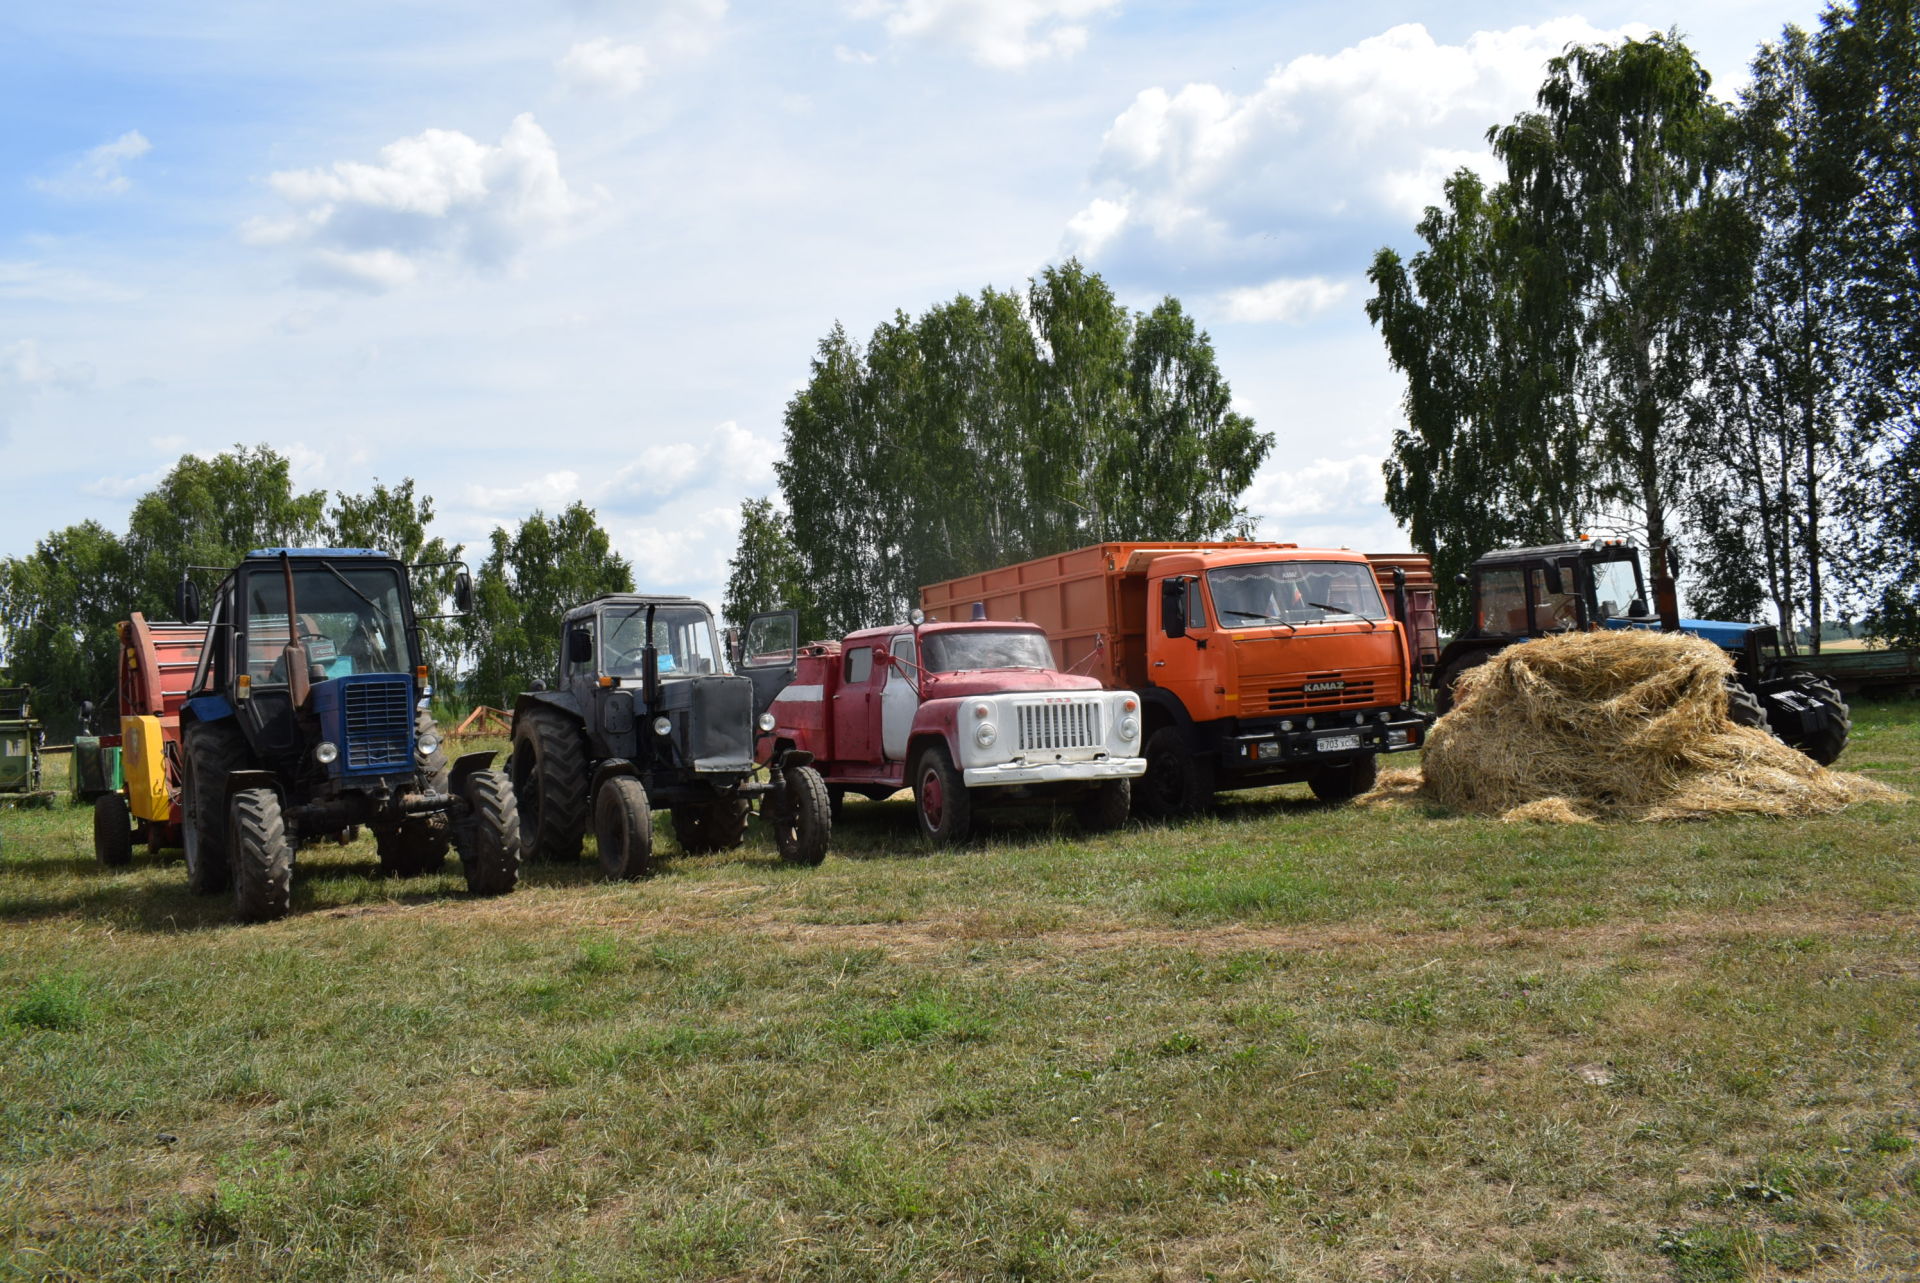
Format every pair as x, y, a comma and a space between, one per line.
308, 718
645, 713
1523, 593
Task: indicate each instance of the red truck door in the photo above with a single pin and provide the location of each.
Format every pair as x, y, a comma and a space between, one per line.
854, 720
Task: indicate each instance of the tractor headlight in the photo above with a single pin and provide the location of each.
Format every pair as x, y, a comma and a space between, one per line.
1129, 728
661, 726
428, 743
326, 752
985, 734
766, 721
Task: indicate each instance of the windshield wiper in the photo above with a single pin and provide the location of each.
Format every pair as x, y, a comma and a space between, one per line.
1265, 619
328, 566
1342, 610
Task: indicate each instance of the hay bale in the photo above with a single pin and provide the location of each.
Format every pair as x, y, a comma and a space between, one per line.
1618, 725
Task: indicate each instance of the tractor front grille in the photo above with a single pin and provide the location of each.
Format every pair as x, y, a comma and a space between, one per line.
1053, 727
379, 725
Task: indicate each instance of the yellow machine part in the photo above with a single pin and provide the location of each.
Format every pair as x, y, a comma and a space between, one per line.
143, 760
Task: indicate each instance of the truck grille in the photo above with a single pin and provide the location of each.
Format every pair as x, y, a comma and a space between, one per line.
1052, 727
1316, 692
379, 717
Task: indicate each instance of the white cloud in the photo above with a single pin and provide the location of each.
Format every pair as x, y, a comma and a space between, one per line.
604, 67
1089, 231
998, 33
1366, 135
97, 172
35, 280
438, 197
859, 57
690, 555
551, 490
729, 456
25, 375
1290, 299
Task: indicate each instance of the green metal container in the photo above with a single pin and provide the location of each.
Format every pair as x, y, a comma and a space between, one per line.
96, 769
19, 743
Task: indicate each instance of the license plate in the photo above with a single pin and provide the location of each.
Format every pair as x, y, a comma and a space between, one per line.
1338, 743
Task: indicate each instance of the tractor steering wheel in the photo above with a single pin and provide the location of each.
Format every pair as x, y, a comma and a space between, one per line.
625, 663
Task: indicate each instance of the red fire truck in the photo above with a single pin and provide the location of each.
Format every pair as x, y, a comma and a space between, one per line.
965, 713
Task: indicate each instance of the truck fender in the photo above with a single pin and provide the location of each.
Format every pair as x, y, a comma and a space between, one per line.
936, 718
205, 708
1162, 708
795, 757
464, 766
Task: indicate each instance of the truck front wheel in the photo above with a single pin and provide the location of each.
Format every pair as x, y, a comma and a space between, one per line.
804, 825
550, 784
941, 800
1178, 781
623, 824
262, 856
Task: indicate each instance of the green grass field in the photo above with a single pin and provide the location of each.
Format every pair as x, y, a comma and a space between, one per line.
1284, 1042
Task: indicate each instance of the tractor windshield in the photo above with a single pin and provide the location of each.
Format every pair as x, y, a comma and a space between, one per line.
1294, 592
1616, 590
682, 634
351, 620
960, 652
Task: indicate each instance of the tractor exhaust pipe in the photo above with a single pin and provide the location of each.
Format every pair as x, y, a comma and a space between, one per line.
1666, 595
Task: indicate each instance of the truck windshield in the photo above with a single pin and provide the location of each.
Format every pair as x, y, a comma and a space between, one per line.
1616, 589
351, 621
683, 635
962, 651
1294, 592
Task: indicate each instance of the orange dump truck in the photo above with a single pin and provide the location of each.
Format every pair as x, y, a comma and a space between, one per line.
1256, 663
157, 660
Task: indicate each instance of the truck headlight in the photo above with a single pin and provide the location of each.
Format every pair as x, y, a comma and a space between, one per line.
661, 726
427, 744
985, 734
326, 752
766, 721
1129, 728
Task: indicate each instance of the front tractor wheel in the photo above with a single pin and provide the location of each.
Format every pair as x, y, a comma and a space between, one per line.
262, 856
490, 835
550, 784
623, 824
804, 825
112, 830
1104, 807
941, 801
212, 751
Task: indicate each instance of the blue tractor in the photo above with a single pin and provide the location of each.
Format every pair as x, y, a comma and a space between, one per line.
1523, 593
308, 719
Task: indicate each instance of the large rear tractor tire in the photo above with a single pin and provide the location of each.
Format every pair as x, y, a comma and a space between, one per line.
1830, 736
1178, 781
1744, 709
1105, 806
1344, 783
803, 827
262, 856
211, 752
706, 827
550, 784
418, 846
490, 834
623, 825
112, 830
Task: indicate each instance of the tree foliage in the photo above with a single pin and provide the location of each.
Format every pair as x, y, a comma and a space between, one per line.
531, 577
394, 519
764, 572
999, 427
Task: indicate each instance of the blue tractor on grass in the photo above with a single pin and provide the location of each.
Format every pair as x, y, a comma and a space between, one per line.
308, 718
1523, 593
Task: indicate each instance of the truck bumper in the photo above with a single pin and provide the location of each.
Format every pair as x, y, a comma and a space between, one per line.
1111, 768
1260, 746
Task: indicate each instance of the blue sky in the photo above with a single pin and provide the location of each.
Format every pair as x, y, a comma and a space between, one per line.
531, 252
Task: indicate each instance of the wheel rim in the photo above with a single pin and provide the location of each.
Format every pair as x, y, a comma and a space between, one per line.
933, 799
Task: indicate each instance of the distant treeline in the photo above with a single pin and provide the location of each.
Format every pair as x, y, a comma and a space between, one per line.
1684, 320
60, 603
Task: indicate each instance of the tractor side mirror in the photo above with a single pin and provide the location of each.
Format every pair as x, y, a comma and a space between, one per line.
186, 601
463, 593
86, 715
1463, 580
731, 638
1173, 607
579, 646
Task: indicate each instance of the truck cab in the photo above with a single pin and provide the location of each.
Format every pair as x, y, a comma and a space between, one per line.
965, 713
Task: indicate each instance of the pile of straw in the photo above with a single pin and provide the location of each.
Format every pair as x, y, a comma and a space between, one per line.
1617, 726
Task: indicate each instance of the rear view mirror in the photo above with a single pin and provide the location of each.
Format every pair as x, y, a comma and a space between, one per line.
186, 601
1173, 607
463, 592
